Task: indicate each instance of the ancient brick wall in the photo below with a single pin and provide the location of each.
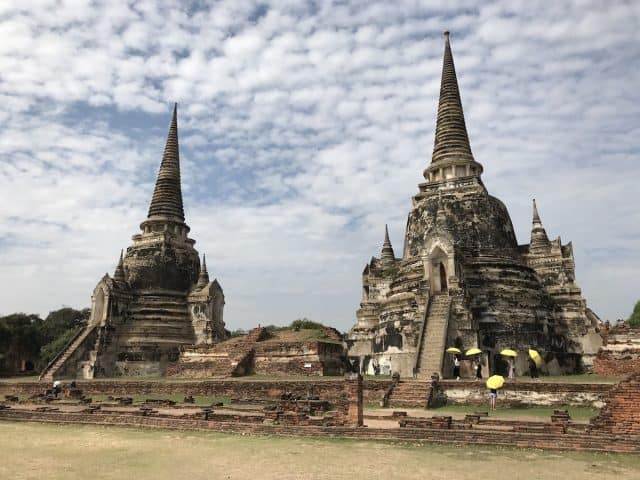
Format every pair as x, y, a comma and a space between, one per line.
463, 392
606, 365
298, 358
521, 393
621, 413
330, 390
552, 440
351, 406
621, 353
258, 353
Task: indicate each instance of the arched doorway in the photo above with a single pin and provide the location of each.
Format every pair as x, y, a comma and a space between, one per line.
440, 265
443, 278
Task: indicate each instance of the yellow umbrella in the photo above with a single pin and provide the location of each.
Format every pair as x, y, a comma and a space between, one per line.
496, 381
507, 352
535, 356
453, 350
473, 351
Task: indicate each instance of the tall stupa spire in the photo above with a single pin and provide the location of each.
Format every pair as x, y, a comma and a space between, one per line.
167, 195
388, 256
536, 215
118, 275
452, 155
451, 139
539, 237
203, 278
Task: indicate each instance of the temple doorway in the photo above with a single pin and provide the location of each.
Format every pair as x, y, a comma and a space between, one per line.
440, 265
443, 278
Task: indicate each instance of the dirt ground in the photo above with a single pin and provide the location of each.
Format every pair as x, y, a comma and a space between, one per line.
38, 451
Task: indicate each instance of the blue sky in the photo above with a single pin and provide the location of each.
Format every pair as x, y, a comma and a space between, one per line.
304, 128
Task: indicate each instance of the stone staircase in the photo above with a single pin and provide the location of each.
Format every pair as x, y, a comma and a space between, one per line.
158, 319
434, 337
72, 347
233, 357
412, 393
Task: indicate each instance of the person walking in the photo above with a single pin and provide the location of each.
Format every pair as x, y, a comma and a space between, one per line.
478, 370
56, 389
456, 367
493, 396
533, 369
512, 369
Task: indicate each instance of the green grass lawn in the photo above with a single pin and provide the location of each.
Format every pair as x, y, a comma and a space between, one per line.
542, 413
528, 413
30, 378
200, 400
583, 378
32, 451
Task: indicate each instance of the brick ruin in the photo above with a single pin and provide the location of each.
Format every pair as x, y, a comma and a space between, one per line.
405, 394
621, 413
286, 404
620, 353
463, 280
335, 411
159, 299
284, 352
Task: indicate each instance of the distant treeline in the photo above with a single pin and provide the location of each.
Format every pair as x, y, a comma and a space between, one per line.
634, 318
28, 343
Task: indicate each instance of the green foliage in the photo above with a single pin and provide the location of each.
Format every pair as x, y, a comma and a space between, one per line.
236, 333
28, 338
5, 337
634, 318
298, 324
59, 322
274, 328
305, 323
51, 349
22, 340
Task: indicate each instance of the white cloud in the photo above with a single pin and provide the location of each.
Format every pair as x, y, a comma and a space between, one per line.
305, 128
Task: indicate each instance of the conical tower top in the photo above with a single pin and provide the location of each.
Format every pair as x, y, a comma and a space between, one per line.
118, 275
539, 239
536, 216
203, 278
167, 195
452, 155
388, 256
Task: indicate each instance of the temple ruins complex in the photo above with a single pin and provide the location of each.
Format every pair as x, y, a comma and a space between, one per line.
462, 280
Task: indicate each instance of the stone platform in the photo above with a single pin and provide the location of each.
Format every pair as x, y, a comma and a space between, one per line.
614, 430
408, 393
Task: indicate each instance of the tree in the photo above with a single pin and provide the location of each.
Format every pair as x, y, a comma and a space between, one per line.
634, 318
27, 340
51, 349
24, 339
305, 323
58, 329
59, 322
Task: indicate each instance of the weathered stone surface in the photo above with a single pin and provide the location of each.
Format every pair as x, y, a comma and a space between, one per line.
159, 300
280, 353
460, 244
